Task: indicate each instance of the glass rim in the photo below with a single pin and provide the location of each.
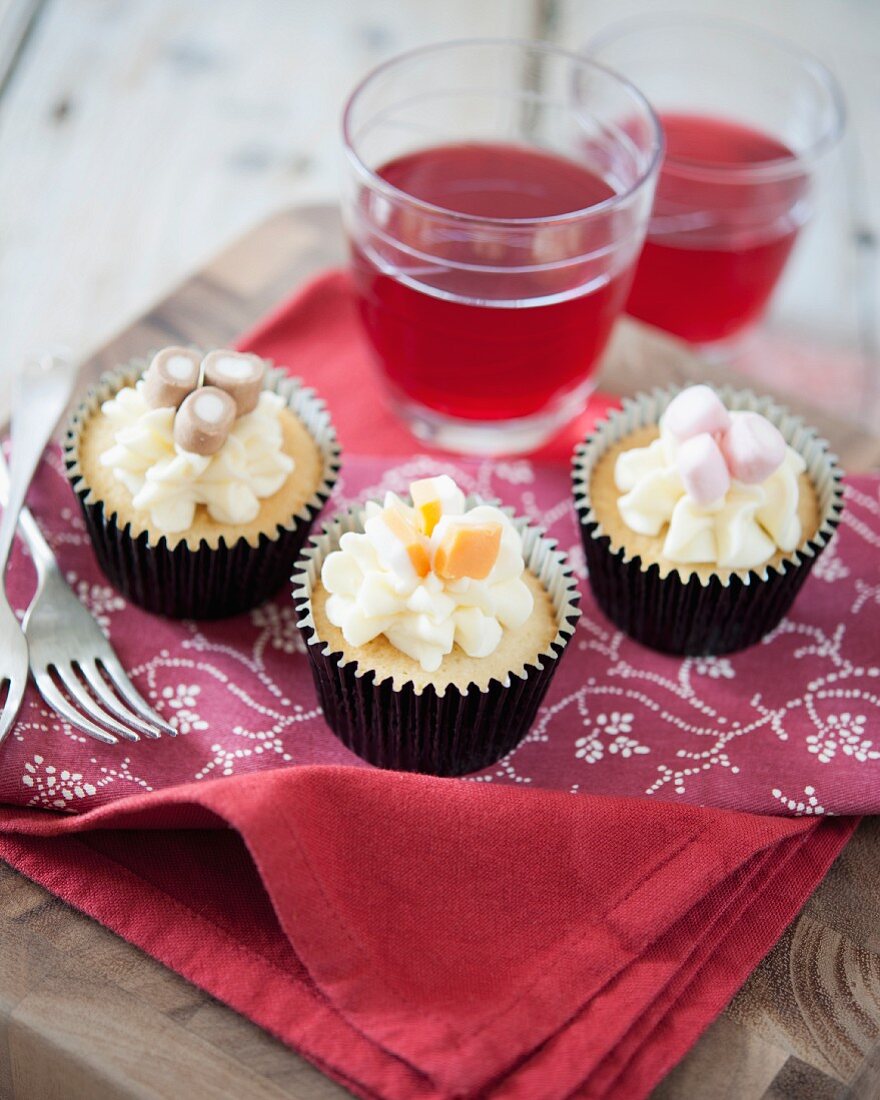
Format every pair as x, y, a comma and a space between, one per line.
809, 63
389, 190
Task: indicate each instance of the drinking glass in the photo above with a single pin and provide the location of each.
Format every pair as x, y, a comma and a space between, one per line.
747, 118
496, 199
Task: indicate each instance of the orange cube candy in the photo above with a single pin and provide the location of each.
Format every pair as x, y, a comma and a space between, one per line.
433, 498
429, 509
411, 540
468, 550
427, 501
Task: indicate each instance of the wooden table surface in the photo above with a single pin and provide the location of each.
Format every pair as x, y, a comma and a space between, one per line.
86, 1016
138, 137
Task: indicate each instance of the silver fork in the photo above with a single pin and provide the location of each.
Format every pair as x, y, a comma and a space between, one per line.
66, 641
40, 392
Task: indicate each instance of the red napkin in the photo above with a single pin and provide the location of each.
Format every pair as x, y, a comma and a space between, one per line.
411, 936
417, 937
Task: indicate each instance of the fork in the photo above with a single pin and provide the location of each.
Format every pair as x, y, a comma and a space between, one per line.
65, 640
40, 392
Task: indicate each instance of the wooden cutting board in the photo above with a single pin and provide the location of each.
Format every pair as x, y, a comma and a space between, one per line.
86, 1016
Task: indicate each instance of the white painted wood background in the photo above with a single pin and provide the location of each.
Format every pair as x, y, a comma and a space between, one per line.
137, 137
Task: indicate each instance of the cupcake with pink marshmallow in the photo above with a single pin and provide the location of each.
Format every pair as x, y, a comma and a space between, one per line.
702, 513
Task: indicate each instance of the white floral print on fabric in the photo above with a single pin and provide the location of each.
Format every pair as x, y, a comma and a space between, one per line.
752, 730
844, 732
181, 702
58, 788
54, 787
805, 804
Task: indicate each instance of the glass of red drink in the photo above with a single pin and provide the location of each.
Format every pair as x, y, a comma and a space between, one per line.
497, 194
746, 118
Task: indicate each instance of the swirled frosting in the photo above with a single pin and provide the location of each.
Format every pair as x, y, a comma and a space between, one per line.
169, 483
740, 529
429, 577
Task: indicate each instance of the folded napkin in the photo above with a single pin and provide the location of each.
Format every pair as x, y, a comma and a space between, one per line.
533, 930
416, 937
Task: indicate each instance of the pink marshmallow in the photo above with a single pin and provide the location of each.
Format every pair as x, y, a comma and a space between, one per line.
696, 410
752, 447
702, 469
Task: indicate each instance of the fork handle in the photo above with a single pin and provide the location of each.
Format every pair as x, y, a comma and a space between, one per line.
41, 553
39, 398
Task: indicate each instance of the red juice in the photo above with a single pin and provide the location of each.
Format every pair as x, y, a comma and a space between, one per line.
480, 321
716, 244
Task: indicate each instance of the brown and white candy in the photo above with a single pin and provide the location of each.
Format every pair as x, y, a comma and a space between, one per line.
240, 375
202, 423
173, 373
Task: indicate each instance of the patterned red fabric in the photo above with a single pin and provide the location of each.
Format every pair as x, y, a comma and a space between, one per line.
424, 937
784, 727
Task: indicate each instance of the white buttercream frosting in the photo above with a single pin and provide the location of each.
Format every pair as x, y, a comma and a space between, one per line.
375, 589
169, 482
742, 529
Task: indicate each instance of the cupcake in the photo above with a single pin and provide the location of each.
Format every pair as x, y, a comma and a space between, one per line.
199, 478
701, 514
433, 627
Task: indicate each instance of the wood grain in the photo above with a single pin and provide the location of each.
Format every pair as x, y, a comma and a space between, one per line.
140, 136
137, 138
17, 19
82, 1013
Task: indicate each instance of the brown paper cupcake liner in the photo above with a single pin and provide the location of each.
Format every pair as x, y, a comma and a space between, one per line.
691, 616
451, 733
208, 582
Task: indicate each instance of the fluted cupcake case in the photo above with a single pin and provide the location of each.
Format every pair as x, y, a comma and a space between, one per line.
690, 617
447, 734
207, 582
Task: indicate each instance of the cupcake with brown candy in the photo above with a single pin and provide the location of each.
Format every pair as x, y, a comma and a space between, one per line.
702, 517
434, 626
199, 478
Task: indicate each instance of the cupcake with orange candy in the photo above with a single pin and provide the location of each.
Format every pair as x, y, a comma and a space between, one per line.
433, 627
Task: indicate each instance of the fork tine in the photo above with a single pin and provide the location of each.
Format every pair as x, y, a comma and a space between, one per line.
94, 710
131, 694
59, 704
11, 706
102, 689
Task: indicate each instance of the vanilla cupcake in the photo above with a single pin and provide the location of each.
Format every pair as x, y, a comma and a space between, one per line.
433, 627
701, 514
199, 478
